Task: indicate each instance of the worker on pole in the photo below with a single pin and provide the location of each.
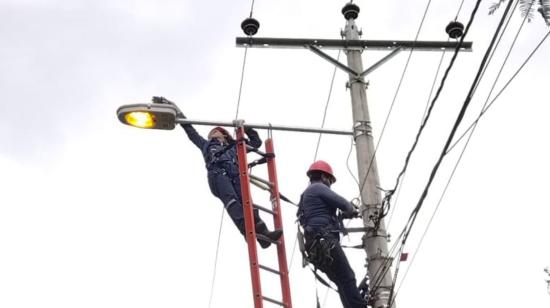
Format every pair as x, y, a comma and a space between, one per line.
317, 214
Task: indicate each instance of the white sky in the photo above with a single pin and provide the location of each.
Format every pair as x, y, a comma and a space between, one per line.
97, 214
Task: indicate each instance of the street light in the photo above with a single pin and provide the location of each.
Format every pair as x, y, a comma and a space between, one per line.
151, 116
164, 114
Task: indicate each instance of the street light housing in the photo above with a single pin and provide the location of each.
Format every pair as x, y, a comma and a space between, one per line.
150, 116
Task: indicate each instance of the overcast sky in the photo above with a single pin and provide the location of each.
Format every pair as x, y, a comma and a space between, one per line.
97, 214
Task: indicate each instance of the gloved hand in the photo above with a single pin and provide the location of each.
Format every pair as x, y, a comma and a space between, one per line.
162, 100
350, 214
250, 131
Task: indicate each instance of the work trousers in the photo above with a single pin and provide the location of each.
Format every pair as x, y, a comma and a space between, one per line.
228, 190
338, 271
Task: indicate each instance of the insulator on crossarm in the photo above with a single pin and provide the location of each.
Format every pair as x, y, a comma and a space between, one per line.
455, 29
350, 11
250, 26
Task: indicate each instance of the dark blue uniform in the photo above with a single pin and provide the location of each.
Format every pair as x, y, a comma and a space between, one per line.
317, 214
223, 173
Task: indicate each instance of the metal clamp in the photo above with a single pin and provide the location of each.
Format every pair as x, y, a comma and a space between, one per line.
379, 256
361, 128
357, 79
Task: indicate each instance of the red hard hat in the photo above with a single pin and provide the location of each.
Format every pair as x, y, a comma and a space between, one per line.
221, 130
323, 166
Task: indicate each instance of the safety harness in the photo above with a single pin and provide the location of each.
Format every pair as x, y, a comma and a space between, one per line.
319, 255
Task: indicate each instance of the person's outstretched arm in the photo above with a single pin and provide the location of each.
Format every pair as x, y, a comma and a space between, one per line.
334, 199
194, 136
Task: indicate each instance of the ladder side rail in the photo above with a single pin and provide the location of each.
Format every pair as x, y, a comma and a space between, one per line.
249, 219
278, 223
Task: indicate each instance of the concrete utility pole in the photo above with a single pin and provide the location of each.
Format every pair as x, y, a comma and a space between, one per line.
375, 239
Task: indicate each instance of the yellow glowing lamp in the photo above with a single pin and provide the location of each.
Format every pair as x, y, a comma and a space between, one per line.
140, 119
152, 116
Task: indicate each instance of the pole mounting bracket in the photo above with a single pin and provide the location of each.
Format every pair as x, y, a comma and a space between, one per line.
362, 128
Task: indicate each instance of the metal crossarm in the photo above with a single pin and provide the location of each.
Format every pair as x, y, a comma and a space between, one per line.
250, 233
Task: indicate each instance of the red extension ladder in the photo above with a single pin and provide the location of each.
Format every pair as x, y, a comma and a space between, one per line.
248, 206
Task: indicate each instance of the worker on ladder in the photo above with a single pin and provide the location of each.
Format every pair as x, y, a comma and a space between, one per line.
220, 155
317, 214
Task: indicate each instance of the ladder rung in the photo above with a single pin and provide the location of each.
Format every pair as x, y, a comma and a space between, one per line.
261, 208
269, 269
268, 183
260, 184
265, 238
355, 229
255, 150
273, 301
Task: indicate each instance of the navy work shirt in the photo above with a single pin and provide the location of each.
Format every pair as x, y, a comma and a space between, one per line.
318, 207
219, 157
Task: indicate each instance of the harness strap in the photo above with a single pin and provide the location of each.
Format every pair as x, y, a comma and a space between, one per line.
321, 280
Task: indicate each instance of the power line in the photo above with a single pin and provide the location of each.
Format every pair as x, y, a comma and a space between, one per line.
423, 117
443, 53
394, 98
318, 141
461, 155
494, 51
434, 100
386, 266
460, 116
484, 110
326, 105
441, 60
449, 181
223, 210
459, 9
216, 260
251, 8
241, 83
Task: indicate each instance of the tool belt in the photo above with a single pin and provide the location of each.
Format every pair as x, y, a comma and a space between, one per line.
316, 247
319, 250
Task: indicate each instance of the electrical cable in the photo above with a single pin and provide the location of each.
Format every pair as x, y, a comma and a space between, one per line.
392, 210
426, 118
394, 100
494, 51
243, 68
251, 8
241, 83
326, 105
442, 83
216, 261
445, 189
347, 162
473, 129
452, 173
414, 214
431, 90
425, 112
318, 141
459, 9
484, 110
223, 210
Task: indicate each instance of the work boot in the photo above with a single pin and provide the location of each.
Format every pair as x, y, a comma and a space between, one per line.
274, 235
266, 237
